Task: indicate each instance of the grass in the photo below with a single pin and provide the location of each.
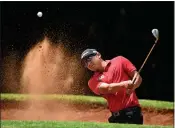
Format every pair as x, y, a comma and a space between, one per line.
83, 99
57, 124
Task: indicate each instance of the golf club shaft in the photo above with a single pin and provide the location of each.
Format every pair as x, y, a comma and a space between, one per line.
144, 61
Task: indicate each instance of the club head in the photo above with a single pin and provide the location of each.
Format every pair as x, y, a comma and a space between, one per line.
155, 33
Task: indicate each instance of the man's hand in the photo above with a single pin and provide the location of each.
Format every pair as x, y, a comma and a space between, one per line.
130, 85
137, 79
130, 88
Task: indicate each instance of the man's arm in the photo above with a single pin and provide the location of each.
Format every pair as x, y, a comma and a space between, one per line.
105, 88
136, 78
130, 69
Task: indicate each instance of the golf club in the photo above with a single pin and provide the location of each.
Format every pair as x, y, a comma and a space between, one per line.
155, 33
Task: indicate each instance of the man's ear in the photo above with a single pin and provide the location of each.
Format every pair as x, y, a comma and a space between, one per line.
89, 66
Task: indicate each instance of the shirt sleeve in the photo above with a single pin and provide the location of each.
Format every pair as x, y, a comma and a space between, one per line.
127, 65
93, 85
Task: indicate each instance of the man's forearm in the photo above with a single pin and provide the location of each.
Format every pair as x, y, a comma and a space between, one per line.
115, 87
106, 88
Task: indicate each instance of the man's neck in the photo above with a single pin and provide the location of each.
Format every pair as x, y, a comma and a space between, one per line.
104, 64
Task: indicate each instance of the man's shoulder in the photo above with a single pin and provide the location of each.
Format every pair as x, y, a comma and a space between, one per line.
93, 77
118, 58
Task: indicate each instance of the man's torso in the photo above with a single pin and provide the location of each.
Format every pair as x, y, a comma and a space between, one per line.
114, 73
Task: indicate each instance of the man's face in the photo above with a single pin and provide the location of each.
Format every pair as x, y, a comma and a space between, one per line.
94, 63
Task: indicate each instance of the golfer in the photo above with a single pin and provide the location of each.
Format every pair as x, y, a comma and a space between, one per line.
112, 79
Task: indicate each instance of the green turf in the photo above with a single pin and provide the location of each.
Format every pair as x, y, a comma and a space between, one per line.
84, 99
56, 124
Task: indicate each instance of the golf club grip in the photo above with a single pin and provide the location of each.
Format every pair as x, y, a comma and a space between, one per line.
134, 79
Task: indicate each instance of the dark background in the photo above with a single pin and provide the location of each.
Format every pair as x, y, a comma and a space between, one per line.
113, 28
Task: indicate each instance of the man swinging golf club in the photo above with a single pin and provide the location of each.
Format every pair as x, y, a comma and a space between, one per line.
116, 81
111, 80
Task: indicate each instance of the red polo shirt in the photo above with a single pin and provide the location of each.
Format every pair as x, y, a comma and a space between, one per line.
117, 70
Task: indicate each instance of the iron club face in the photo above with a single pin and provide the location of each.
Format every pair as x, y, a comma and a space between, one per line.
155, 33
